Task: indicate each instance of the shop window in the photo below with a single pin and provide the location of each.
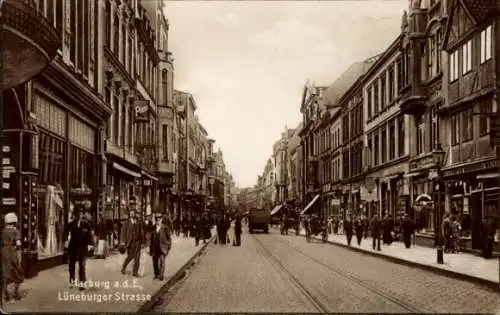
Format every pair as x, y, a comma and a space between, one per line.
81, 180
51, 208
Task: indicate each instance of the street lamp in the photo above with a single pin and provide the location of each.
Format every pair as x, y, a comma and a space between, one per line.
435, 176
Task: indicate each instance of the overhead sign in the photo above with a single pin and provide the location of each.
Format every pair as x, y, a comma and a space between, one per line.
141, 110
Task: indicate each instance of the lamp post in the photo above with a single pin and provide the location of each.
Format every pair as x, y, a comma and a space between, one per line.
435, 176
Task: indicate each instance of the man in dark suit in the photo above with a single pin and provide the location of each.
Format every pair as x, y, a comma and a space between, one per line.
160, 245
237, 231
132, 238
376, 230
78, 236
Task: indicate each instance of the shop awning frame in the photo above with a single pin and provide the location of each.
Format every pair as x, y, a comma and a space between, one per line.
276, 209
125, 170
413, 174
145, 174
310, 204
488, 175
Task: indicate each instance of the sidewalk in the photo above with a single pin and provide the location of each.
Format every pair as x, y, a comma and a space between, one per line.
49, 290
461, 265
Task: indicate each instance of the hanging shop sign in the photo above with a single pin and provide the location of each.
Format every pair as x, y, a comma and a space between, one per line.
141, 110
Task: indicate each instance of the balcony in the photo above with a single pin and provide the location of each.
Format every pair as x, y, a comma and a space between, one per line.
412, 100
29, 42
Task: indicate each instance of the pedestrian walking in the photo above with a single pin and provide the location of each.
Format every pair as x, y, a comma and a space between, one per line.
159, 247
237, 231
376, 226
177, 227
358, 228
185, 227
132, 238
227, 226
348, 230
221, 237
336, 225
78, 236
408, 228
11, 257
206, 226
366, 225
388, 228
446, 228
198, 230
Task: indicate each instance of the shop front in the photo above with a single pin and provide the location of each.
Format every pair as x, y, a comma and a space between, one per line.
53, 152
68, 172
471, 195
121, 190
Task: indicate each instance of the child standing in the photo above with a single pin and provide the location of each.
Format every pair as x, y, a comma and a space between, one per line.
12, 272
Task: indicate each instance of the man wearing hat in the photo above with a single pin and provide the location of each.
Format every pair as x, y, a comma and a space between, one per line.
132, 238
78, 236
160, 245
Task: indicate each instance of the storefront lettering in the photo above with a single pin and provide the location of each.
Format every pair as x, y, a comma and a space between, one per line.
471, 168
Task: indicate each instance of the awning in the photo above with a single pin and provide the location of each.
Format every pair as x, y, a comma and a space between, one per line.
149, 176
310, 204
489, 175
276, 209
125, 170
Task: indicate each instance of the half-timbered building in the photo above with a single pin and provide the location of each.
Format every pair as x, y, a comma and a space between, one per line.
470, 82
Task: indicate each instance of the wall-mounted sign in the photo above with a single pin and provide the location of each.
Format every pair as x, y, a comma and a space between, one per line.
141, 110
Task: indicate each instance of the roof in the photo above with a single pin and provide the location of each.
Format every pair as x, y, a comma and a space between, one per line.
345, 81
481, 9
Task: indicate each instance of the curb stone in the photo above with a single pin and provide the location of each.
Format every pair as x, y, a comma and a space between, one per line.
156, 297
445, 272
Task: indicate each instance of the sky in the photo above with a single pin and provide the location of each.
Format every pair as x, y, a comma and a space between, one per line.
246, 63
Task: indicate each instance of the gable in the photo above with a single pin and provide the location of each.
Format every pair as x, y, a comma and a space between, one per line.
458, 25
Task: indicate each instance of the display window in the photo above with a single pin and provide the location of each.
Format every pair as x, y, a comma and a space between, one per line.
51, 219
81, 177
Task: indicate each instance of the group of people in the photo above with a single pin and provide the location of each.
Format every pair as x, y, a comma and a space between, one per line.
134, 234
382, 230
223, 227
80, 238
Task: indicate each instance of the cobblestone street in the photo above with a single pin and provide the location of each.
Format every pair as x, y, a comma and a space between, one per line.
272, 273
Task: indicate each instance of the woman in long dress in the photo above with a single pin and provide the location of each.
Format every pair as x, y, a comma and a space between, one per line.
12, 272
